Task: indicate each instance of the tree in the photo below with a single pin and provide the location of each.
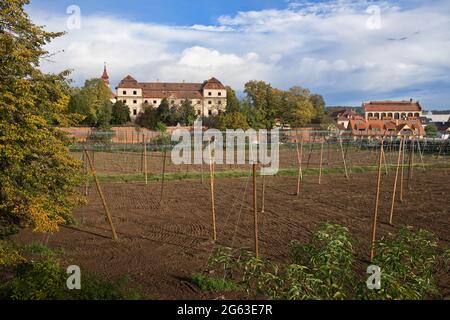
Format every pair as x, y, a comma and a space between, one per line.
232, 120
164, 113
88, 101
148, 117
120, 113
187, 114
104, 115
431, 130
261, 96
233, 103
319, 106
38, 175
300, 111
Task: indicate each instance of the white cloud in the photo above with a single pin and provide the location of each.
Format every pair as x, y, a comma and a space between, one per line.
326, 46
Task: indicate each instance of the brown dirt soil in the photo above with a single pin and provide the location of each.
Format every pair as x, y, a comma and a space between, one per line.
161, 245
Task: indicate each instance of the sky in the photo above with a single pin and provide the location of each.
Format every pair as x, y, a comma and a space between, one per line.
349, 51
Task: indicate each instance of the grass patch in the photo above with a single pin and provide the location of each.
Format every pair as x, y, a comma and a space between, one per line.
213, 284
285, 172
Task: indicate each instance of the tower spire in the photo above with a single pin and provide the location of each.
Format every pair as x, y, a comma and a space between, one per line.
105, 76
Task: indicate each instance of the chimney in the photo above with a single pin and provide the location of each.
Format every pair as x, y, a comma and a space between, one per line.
410, 100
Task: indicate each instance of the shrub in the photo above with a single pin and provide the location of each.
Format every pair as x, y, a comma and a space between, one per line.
44, 278
324, 268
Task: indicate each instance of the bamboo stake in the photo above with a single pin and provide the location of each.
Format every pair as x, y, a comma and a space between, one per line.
395, 182
145, 162
311, 149
163, 173
420, 154
263, 197
255, 213
99, 189
403, 168
85, 169
213, 210
385, 162
343, 157
410, 164
299, 161
142, 157
321, 159
377, 199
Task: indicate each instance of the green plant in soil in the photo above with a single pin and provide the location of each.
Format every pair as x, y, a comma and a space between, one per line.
325, 268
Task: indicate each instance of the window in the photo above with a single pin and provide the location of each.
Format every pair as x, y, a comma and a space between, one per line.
124, 92
124, 101
220, 102
219, 94
134, 101
209, 93
199, 112
209, 102
135, 92
134, 112
209, 112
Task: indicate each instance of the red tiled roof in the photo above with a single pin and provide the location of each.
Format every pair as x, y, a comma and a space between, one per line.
165, 90
213, 83
392, 106
382, 126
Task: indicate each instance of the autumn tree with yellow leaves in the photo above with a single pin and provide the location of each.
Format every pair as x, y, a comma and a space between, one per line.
38, 176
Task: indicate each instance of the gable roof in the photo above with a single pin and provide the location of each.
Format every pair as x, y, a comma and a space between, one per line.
177, 90
406, 106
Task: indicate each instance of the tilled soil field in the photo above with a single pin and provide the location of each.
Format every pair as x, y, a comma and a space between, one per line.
163, 242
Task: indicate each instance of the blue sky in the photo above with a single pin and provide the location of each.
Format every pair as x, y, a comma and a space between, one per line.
173, 12
349, 51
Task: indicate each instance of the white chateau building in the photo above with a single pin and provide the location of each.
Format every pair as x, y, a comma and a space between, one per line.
208, 98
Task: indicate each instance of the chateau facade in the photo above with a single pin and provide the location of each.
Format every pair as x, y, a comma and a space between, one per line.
392, 110
207, 98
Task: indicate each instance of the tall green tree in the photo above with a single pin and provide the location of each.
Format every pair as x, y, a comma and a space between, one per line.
148, 118
232, 120
233, 103
120, 113
38, 175
260, 95
90, 100
319, 106
170, 114
104, 115
187, 113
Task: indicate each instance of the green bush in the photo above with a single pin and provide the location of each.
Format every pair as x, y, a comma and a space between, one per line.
325, 268
44, 278
408, 261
